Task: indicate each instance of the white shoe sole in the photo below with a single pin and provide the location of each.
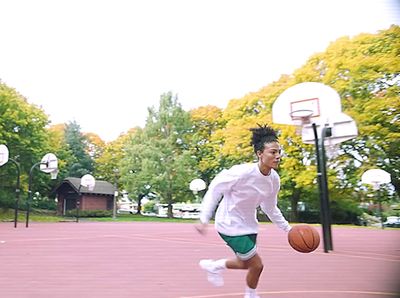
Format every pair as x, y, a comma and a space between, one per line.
213, 276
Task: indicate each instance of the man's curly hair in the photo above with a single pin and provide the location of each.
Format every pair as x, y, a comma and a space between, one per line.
262, 134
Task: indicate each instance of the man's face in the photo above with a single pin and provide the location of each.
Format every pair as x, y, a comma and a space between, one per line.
271, 155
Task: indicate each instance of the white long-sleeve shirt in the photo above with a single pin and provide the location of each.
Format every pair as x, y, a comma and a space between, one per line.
242, 188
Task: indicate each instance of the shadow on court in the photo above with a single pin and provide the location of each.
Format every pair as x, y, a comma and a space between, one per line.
157, 260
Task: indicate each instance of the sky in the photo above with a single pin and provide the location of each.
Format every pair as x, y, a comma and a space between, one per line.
102, 63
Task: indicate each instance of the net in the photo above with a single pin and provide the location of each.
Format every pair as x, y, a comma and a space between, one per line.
300, 118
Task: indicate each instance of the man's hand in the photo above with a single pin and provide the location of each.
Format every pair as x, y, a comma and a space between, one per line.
201, 227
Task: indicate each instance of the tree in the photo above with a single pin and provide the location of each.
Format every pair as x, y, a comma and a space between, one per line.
78, 145
61, 149
232, 143
206, 121
23, 131
158, 159
107, 162
365, 72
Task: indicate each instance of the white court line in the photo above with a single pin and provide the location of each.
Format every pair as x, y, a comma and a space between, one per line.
297, 292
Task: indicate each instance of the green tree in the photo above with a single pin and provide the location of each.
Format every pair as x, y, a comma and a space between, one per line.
78, 145
107, 162
233, 143
365, 72
206, 121
158, 159
23, 131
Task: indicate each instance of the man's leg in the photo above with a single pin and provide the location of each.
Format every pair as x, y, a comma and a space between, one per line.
254, 266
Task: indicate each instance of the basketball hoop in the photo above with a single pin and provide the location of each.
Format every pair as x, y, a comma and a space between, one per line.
375, 177
300, 118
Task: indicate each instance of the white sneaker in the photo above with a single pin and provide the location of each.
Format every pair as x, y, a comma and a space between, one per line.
214, 275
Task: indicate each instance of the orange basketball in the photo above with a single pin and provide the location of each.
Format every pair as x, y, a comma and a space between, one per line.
303, 238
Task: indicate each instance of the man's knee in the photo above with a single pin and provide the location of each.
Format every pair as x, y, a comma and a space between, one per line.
255, 264
259, 267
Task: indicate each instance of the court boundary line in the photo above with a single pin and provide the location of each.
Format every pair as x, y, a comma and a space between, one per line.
298, 292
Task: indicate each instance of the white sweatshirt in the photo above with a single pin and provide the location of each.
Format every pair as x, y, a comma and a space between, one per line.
242, 188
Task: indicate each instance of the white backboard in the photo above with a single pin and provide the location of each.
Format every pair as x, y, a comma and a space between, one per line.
3, 154
343, 128
321, 100
88, 181
49, 163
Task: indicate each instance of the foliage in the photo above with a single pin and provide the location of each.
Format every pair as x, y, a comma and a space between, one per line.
108, 159
176, 146
89, 213
61, 149
150, 207
205, 122
365, 72
78, 144
23, 131
41, 202
157, 159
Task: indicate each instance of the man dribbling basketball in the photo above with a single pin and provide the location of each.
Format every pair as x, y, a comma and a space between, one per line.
239, 192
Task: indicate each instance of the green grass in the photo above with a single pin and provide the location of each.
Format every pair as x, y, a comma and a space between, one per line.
7, 215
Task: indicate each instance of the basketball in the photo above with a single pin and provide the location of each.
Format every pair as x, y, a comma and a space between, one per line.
303, 238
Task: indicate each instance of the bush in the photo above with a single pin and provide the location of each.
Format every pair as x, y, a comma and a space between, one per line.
6, 200
309, 216
89, 213
40, 202
345, 212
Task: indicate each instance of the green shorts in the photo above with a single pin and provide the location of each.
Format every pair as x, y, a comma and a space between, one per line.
244, 246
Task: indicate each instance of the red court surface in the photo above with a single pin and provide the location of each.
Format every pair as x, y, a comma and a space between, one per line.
156, 260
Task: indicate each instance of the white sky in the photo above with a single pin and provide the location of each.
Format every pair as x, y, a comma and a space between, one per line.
102, 63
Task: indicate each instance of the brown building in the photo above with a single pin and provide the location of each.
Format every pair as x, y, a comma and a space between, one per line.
70, 195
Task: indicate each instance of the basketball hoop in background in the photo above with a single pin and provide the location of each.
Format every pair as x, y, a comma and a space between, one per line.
375, 177
197, 185
316, 111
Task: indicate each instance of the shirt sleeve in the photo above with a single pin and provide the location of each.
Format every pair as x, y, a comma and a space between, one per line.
220, 185
270, 207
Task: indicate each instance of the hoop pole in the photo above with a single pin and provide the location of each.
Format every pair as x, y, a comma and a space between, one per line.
17, 191
29, 201
326, 132
323, 188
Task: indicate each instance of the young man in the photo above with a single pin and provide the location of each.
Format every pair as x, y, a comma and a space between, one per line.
239, 191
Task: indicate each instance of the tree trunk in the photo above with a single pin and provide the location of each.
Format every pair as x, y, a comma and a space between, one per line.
169, 200
294, 203
139, 204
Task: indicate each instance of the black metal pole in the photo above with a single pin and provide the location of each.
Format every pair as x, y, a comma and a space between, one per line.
78, 203
380, 207
323, 188
28, 203
17, 192
319, 179
326, 132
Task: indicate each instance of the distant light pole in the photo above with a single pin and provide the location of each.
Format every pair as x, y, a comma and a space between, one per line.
17, 191
48, 164
114, 214
4, 158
